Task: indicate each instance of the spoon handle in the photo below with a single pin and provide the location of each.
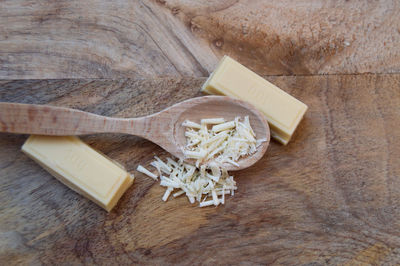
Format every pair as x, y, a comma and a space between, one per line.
50, 120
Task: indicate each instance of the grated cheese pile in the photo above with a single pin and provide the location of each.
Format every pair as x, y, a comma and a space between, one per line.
212, 143
198, 184
217, 141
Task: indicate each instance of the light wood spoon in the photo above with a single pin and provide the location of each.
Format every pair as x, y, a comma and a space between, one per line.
163, 128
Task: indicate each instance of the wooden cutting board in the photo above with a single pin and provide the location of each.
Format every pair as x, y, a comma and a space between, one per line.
329, 197
147, 38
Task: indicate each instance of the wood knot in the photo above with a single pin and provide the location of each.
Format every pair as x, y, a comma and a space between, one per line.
32, 112
175, 10
219, 43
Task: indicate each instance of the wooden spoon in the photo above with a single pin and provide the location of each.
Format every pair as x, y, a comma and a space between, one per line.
163, 128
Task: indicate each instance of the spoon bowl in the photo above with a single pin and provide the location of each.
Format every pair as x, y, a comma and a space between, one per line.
228, 108
163, 128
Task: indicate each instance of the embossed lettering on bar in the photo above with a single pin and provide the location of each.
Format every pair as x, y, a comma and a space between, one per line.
283, 111
80, 167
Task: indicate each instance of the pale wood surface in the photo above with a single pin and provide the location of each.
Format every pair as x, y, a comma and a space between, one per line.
164, 128
121, 38
330, 197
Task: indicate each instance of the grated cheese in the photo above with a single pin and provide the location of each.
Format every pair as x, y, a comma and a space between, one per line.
225, 142
212, 121
167, 193
191, 124
196, 183
224, 126
146, 172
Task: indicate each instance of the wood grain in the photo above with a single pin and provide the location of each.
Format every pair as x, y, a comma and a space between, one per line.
147, 38
330, 197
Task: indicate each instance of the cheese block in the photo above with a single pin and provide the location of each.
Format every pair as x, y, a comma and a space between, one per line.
80, 167
283, 111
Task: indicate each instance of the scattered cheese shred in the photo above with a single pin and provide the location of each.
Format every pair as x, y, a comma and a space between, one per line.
146, 172
225, 142
181, 178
